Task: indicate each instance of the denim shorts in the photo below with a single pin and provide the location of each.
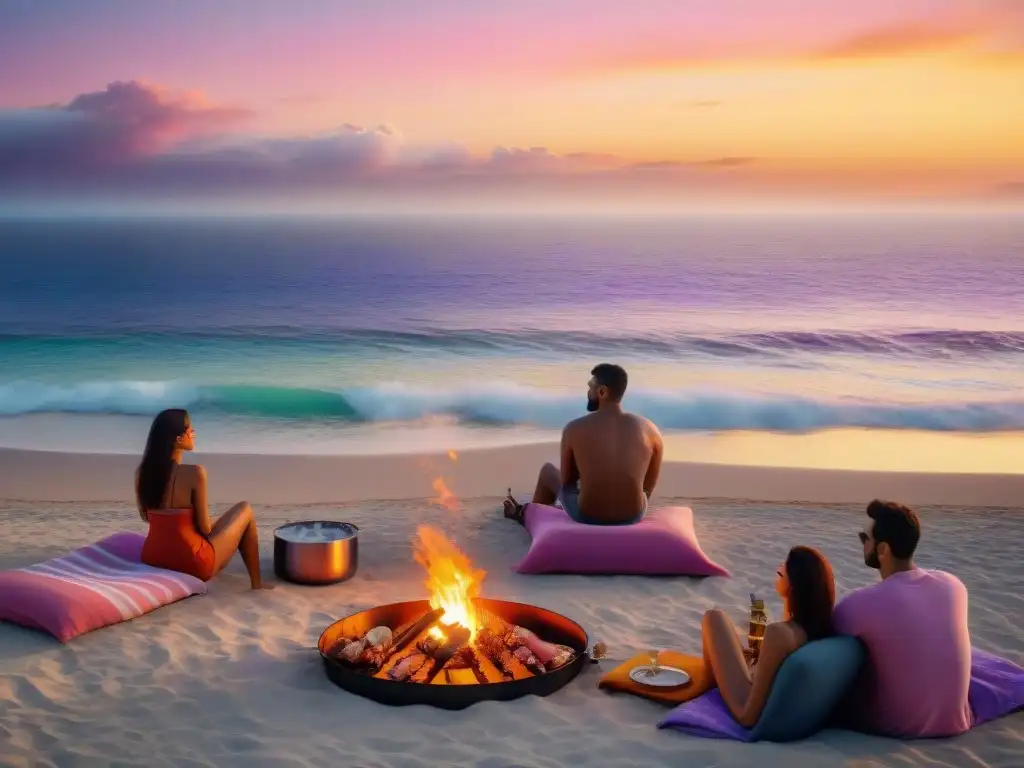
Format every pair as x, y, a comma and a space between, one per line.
569, 498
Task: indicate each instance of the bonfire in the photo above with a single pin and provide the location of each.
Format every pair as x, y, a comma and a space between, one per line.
456, 642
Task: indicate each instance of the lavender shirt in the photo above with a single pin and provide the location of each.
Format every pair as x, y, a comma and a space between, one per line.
915, 627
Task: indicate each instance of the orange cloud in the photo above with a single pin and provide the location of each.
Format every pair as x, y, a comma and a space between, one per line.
901, 40
994, 32
1012, 190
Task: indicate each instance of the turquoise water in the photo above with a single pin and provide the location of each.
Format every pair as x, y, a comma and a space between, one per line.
402, 333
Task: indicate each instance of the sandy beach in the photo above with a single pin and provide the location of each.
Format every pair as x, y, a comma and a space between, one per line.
365, 263
231, 678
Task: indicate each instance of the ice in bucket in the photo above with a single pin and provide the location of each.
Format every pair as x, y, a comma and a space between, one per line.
758, 624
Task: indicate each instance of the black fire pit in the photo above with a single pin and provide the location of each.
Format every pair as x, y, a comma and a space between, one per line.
548, 625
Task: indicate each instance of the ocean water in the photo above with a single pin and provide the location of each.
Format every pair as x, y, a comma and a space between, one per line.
304, 335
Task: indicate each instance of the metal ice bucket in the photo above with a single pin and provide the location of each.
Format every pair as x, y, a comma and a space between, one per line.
316, 552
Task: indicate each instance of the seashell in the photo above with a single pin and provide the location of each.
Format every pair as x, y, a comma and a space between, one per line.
353, 651
379, 636
564, 655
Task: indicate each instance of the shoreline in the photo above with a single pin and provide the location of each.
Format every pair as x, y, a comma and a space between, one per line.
839, 448
43, 476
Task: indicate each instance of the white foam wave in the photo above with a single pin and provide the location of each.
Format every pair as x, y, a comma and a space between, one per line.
508, 404
127, 397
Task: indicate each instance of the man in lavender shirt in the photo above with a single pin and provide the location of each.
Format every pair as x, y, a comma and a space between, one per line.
914, 625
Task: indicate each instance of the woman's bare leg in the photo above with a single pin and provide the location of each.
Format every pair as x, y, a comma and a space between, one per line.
723, 653
235, 531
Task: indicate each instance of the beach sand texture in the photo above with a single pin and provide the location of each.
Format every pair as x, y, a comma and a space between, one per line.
232, 678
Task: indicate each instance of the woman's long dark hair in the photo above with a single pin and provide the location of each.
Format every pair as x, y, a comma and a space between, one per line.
157, 461
812, 591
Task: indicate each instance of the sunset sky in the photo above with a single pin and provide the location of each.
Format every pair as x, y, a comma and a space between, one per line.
731, 97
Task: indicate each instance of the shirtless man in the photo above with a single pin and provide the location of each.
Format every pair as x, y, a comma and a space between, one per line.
610, 460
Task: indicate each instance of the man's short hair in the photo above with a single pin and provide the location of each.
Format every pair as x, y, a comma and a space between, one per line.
895, 525
613, 377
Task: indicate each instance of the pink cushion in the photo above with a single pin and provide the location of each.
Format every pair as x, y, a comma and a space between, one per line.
914, 625
95, 586
663, 544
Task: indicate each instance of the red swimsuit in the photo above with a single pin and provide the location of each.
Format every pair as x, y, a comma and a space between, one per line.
174, 542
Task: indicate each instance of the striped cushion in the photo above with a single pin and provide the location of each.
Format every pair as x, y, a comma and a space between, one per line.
95, 586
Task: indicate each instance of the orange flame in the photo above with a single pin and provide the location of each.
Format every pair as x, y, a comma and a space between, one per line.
452, 580
445, 497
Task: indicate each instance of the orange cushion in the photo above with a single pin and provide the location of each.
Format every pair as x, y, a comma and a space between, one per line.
700, 678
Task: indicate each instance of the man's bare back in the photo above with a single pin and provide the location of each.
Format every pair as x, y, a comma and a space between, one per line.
616, 458
610, 460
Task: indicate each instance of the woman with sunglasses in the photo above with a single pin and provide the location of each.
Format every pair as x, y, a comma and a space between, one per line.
172, 499
808, 591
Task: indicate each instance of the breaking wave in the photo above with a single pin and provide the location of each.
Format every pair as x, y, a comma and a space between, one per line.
502, 404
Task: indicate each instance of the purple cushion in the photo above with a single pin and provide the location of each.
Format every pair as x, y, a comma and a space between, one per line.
804, 693
662, 544
95, 586
996, 690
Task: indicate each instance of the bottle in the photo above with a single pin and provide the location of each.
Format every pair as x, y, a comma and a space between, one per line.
758, 625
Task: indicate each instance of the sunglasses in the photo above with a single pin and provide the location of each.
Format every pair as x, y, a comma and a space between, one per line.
863, 537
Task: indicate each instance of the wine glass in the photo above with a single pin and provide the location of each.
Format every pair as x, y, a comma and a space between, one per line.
654, 657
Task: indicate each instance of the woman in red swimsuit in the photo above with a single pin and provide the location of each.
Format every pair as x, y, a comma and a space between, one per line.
172, 499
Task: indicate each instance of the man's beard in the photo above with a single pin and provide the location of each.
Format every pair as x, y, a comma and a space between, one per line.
871, 559
592, 404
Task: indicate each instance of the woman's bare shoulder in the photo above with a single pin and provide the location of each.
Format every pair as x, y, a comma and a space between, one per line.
196, 473
785, 635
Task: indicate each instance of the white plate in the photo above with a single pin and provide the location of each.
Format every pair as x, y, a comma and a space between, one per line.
666, 677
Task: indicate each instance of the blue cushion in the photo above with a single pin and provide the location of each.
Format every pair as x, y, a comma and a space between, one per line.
808, 687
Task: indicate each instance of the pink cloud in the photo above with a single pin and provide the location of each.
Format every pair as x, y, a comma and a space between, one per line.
148, 119
137, 135
125, 121
135, 118
138, 140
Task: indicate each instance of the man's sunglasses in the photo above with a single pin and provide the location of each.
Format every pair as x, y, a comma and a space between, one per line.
863, 537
